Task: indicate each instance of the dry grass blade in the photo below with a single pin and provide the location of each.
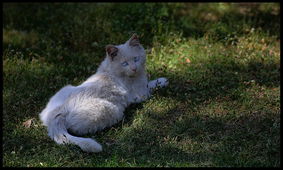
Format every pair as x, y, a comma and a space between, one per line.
27, 123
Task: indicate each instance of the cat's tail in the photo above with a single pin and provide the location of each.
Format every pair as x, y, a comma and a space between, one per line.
58, 132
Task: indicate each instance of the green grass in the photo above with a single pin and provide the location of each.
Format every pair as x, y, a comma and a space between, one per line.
221, 108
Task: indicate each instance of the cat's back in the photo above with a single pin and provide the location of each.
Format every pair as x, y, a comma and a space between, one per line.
103, 79
99, 103
103, 86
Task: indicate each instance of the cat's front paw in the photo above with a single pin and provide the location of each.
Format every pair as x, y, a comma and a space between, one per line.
162, 82
158, 83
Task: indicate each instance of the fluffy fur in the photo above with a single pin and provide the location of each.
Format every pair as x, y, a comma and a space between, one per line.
100, 101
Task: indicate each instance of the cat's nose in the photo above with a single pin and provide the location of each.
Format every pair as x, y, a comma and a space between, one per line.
134, 69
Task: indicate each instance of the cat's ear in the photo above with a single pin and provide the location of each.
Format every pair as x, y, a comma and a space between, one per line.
134, 40
111, 51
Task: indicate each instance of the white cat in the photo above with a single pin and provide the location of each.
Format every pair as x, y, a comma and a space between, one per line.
100, 101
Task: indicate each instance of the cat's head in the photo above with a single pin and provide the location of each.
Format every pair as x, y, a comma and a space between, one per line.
127, 59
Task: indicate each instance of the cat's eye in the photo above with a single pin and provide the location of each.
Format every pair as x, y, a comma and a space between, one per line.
124, 64
136, 59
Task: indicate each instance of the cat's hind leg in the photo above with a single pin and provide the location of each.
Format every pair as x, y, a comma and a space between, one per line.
55, 101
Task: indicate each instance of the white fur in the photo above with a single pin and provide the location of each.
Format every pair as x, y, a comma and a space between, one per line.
100, 101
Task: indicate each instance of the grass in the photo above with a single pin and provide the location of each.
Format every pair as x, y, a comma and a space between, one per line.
221, 108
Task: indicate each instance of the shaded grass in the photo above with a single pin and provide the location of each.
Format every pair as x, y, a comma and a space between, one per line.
221, 107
